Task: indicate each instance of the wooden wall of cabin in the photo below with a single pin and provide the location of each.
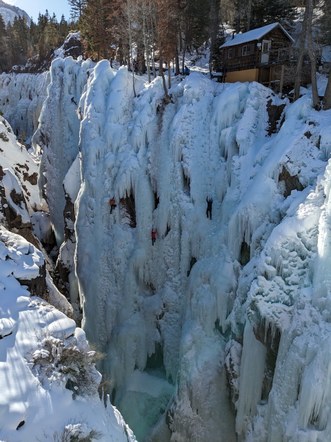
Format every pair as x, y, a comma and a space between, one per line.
242, 75
280, 46
237, 60
278, 39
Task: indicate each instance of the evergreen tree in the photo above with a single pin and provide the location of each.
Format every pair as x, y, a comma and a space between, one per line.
265, 11
76, 8
95, 28
325, 22
3, 46
18, 41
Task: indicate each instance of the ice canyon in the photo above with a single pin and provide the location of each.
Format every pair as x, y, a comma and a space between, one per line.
212, 328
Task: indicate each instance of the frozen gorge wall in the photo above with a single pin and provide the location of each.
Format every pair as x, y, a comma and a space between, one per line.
48, 379
21, 100
58, 134
222, 326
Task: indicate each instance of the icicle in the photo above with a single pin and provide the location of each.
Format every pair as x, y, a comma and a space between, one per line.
251, 377
315, 393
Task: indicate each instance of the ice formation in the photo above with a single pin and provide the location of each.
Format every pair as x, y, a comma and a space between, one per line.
214, 324
48, 380
21, 99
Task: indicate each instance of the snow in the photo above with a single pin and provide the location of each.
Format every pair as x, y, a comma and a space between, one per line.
9, 13
254, 34
27, 393
19, 166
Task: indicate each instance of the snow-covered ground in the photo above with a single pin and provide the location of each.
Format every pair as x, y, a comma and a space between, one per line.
214, 325
48, 382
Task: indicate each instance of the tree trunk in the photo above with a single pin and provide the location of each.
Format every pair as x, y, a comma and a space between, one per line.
312, 56
249, 14
177, 63
214, 25
163, 80
306, 40
302, 50
327, 94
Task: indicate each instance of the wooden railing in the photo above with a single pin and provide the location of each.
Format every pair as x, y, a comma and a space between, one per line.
276, 56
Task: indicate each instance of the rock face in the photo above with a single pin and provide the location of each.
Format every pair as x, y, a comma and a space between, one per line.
22, 211
212, 321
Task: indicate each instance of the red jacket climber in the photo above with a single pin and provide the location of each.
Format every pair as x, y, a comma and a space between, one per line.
153, 235
112, 204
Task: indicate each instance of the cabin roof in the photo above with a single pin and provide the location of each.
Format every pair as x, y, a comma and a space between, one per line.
254, 34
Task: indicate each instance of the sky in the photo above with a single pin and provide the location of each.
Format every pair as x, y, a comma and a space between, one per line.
33, 7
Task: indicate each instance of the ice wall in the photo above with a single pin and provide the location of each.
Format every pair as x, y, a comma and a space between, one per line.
58, 133
209, 321
21, 99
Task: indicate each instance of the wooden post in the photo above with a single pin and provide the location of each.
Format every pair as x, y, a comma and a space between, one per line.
281, 84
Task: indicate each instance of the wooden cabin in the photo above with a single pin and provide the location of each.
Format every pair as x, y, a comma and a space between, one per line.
263, 54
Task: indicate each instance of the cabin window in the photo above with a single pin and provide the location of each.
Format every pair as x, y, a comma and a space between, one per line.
230, 53
247, 50
266, 46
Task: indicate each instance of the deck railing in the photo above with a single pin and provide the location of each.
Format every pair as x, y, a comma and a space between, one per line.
276, 56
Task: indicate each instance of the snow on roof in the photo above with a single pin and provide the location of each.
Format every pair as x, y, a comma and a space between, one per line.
254, 34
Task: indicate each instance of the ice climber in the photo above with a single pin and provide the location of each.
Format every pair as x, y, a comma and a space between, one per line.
112, 204
209, 207
153, 235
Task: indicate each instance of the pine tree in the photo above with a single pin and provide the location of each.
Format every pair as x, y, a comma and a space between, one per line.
17, 41
325, 22
76, 8
265, 11
95, 28
214, 20
3, 45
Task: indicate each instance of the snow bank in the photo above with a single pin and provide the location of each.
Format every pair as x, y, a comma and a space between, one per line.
39, 348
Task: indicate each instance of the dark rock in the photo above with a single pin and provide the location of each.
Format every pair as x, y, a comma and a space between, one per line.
290, 182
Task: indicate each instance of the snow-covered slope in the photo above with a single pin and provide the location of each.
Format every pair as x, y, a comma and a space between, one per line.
48, 380
214, 326
10, 12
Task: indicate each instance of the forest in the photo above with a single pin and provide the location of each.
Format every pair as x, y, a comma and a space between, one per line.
144, 33
146, 30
